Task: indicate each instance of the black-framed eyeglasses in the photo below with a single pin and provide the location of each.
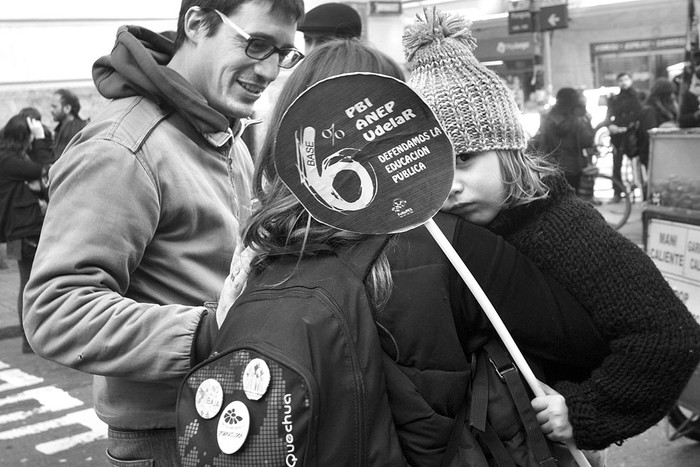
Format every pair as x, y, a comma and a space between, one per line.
260, 49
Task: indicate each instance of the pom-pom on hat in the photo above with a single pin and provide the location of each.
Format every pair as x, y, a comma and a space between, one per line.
474, 105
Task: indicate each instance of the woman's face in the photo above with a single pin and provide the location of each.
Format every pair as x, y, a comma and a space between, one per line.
478, 191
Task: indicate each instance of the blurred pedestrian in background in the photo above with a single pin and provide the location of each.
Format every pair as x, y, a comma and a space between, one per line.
689, 112
41, 149
65, 109
21, 213
660, 109
623, 111
565, 131
329, 21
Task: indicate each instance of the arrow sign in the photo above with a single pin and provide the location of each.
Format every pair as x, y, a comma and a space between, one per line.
553, 20
554, 17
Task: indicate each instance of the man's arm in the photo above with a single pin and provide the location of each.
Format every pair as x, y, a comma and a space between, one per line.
104, 211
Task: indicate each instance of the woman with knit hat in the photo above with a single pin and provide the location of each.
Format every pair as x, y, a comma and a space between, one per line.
654, 341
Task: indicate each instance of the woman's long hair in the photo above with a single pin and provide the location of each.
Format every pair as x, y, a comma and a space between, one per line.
15, 135
662, 96
279, 219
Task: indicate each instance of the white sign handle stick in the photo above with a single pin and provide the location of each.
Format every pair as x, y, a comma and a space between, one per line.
497, 323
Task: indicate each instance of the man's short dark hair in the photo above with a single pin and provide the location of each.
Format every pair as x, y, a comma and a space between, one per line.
624, 73
335, 19
292, 8
68, 98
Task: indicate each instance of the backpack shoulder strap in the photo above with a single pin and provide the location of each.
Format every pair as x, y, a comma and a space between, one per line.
510, 375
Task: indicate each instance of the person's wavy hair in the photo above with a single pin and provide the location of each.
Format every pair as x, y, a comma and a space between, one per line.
523, 175
279, 220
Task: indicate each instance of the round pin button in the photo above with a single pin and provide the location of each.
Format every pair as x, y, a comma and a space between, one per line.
233, 426
209, 398
256, 379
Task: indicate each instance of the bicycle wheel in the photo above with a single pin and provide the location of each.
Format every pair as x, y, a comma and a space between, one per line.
615, 213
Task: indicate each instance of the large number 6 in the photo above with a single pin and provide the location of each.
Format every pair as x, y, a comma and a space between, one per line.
319, 178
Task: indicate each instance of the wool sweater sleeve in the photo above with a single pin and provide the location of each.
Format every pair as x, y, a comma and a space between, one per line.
654, 340
545, 320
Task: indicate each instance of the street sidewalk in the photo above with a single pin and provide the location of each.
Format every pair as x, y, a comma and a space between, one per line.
9, 278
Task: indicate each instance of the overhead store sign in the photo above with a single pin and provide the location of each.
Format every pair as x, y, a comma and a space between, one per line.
519, 21
385, 8
518, 5
519, 16
505, 49
677, 42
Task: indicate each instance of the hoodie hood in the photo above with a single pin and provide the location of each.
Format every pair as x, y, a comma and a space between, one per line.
137, 66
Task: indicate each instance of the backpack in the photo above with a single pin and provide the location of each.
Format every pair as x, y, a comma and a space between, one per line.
497, 426
296, 377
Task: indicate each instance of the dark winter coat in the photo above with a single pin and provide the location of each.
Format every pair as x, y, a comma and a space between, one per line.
653, 338
64, 133
20, 212
623, 108
427, 371
562, 137
652, 116
687, 118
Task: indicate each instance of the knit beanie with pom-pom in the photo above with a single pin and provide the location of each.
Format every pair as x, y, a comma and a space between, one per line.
474, 105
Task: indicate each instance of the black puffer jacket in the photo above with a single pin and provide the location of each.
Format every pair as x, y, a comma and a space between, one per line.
425, 364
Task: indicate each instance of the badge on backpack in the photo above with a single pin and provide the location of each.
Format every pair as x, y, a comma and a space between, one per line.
233, 426
209, 398
256, 379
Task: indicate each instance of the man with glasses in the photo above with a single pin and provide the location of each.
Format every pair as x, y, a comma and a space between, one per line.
145, 212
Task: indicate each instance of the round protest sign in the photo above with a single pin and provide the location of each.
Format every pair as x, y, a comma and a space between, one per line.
363, 152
